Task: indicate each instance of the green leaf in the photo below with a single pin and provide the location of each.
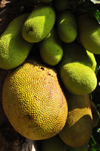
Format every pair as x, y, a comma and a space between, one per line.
93, 149
96, 14
98, 130
93, 141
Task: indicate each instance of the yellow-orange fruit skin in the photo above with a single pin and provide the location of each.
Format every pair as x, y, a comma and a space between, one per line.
78, 128
34, 102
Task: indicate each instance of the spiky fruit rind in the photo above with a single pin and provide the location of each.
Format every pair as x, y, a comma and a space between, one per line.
39, 23
34, 102
51, 50
67, 26
13, 48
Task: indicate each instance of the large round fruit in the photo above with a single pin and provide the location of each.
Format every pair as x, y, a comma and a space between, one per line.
34, 102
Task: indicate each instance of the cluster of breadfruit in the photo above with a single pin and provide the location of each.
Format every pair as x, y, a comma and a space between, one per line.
49, 96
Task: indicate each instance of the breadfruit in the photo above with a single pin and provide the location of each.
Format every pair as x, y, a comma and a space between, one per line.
33, 100
95, 114
82, 148
66, 26
75, 70
93, 61
39, 23
13, 48
89, 33
60, 5
53, 144
79, 124
51, 50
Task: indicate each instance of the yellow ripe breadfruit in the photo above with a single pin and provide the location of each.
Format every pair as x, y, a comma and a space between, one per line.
51, 50
82, 148
79, 124
39, 23
53, 144
95, 114
89, 33
93, 61
66, 26
60, 5
33, 101
75, 70
13, 48
46, 1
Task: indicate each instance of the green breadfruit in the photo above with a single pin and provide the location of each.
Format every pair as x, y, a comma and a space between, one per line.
89, 33
53, 144
75, 70
66, 26
60, 5
51, 50
39, 23
13, 48
79, 124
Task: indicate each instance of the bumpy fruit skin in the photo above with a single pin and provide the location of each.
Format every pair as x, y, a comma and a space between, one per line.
34, 102
89, 33
75, 70
53, 144
39, 23
79, 125
13, 48
66, 26
82, 148
78, 79
60, 5
51, 50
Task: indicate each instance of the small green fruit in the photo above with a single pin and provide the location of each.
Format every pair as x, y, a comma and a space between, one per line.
13, 48
89, 33
66, 27
51, 50
39, 23
75, 70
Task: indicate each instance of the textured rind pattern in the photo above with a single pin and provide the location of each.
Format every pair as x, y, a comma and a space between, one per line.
39, 23
89, 33
79, 125
51, 50
76, 70
78, 78
34, 102
67, 27
13, 48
